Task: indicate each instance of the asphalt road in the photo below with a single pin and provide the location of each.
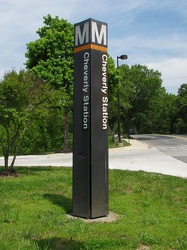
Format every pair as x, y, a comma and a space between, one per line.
173, 145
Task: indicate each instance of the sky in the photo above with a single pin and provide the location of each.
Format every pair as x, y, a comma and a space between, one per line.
150, 32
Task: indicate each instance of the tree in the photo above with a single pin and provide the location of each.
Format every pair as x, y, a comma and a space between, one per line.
171, 110
182, 105
140, 86
163, 114
51, 58
113, 84
20, 97
127, 93
45, 133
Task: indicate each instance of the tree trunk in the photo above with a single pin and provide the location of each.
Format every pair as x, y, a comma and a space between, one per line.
6, 161
66, 127
172, 125
17, 148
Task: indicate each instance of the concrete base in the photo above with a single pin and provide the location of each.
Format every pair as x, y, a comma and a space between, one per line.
120, 144
109, 218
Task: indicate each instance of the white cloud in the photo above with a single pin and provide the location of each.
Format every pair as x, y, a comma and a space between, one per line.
20, 19
149, 47
173, 72
167, 54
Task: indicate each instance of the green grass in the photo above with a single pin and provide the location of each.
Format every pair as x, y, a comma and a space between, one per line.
112, 144
151, 209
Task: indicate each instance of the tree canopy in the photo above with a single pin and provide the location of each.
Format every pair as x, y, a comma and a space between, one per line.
21, 97
51, 58
146, 107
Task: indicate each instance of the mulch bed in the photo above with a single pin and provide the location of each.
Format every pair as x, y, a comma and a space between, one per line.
9, 173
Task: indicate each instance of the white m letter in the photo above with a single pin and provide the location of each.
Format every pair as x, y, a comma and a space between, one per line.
100, 36
80, 38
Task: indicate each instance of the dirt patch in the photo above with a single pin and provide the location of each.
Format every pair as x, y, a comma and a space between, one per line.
143, 247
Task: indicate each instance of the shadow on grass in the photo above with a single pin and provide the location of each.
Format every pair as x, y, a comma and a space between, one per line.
59, 244
60, 200
35, 169
97, 243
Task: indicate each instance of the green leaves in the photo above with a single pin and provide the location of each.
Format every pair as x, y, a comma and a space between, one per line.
51, 56
22, 97
146, 106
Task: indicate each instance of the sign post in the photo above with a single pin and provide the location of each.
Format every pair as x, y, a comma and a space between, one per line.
90, 148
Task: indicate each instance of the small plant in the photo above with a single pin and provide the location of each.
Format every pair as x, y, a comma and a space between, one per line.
112, 141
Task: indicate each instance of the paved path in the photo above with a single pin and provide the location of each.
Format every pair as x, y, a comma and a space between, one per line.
138, 156
173, 145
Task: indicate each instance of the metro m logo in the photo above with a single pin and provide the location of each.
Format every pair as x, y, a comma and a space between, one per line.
99, 37
90, 31
81, 38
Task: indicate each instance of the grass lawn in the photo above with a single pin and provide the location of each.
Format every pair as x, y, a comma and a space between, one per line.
151, 209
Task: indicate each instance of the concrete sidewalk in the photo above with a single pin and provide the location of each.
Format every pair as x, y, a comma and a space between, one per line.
138, 156
134, 145
141, 156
